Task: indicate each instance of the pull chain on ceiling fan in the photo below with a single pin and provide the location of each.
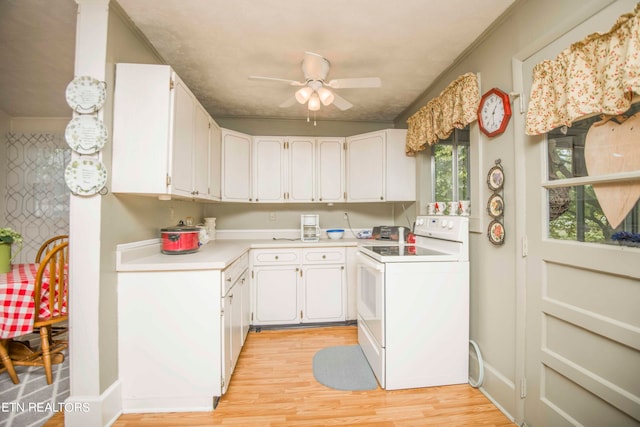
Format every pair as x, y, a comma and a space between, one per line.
316, 90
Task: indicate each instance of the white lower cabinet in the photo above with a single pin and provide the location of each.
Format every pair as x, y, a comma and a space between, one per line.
180, 349
231, 313
291, 286
170, 351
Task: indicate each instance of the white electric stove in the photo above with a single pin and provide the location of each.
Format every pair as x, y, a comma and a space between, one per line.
413, 305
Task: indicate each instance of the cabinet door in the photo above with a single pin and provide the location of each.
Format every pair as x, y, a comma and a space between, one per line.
215, 160
324, 293
201, 153
182, 139
366, 167
141, 129
245, 305
400, 168
330, 167
301, 169
236, 166
226, 338
269, 169
275, 295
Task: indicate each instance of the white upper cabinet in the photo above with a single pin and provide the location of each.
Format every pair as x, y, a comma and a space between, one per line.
201, 147
301, 170
378, 168
236, 166
366, 165
160, 135
269, 169
298, 169
330, 167
215, 160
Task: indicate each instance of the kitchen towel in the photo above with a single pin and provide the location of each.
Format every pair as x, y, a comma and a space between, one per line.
343, 368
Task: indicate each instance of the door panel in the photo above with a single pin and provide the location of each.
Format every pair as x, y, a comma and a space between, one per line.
582, 322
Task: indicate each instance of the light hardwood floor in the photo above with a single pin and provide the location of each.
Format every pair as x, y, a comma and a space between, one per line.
273, 385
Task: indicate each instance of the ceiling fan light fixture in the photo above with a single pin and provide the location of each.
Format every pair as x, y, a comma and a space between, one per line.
314, 102
303, 94
326, 96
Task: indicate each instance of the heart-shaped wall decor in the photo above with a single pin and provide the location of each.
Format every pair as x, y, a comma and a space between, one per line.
612, 148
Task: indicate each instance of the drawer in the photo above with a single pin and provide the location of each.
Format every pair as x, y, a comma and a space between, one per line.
275, 256
323, 256
231, 274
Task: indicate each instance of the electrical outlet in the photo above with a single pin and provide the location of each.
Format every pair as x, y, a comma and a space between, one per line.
346, 215
172, 213
272, 216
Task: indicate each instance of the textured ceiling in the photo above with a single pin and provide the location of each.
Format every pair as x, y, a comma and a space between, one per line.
215, 45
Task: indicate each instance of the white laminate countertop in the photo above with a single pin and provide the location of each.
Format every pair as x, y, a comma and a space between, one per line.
215, 255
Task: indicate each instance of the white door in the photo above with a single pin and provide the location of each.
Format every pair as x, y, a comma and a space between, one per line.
330, 174
301, 169
275, 295
366, 167
236, 166
201, 153
183, 139
324, 293
269, 168
582, 318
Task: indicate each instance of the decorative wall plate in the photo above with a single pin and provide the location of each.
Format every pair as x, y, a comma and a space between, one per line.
496, 232
495, 205
86, 134
495, 178
85, 177
85, 94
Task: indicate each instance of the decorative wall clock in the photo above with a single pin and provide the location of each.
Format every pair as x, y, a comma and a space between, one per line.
494, 112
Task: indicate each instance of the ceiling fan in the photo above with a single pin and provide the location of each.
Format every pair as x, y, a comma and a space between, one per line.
316, 90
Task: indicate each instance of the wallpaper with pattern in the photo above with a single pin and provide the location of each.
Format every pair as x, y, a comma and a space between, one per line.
37, 198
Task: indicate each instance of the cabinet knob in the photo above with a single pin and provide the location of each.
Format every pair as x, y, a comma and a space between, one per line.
324, 256
277, 257
381, 198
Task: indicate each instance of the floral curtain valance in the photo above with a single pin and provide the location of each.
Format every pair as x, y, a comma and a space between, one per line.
455, 107
599, 74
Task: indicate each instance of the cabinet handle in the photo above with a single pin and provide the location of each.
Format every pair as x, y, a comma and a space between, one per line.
320, 199
228, 279
256, 200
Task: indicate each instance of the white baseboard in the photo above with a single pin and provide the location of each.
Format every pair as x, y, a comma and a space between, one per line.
90, 411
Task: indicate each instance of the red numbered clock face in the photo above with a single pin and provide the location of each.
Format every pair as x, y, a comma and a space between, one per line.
494, 112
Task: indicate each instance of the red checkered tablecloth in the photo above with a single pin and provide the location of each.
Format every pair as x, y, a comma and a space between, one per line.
16, 300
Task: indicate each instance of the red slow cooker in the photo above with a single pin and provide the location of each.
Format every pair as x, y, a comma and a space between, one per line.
180, 240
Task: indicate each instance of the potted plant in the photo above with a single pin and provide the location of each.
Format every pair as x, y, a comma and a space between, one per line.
7, 238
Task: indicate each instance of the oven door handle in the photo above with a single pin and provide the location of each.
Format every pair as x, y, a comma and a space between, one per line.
369, 263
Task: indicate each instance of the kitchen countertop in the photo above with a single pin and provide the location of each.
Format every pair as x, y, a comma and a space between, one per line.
215, 255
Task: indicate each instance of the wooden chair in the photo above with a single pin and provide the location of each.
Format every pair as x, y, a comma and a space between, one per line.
52, 287
7, 365
50, 244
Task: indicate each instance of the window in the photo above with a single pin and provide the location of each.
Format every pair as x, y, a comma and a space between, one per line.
450, 167
574, 211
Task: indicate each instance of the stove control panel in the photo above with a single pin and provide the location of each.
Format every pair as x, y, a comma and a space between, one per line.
454, 228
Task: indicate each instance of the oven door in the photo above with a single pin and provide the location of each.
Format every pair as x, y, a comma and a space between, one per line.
370, 276
370, 295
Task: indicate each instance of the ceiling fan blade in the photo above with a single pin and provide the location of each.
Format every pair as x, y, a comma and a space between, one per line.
341, 103
289, 102
355, 83
290, 82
